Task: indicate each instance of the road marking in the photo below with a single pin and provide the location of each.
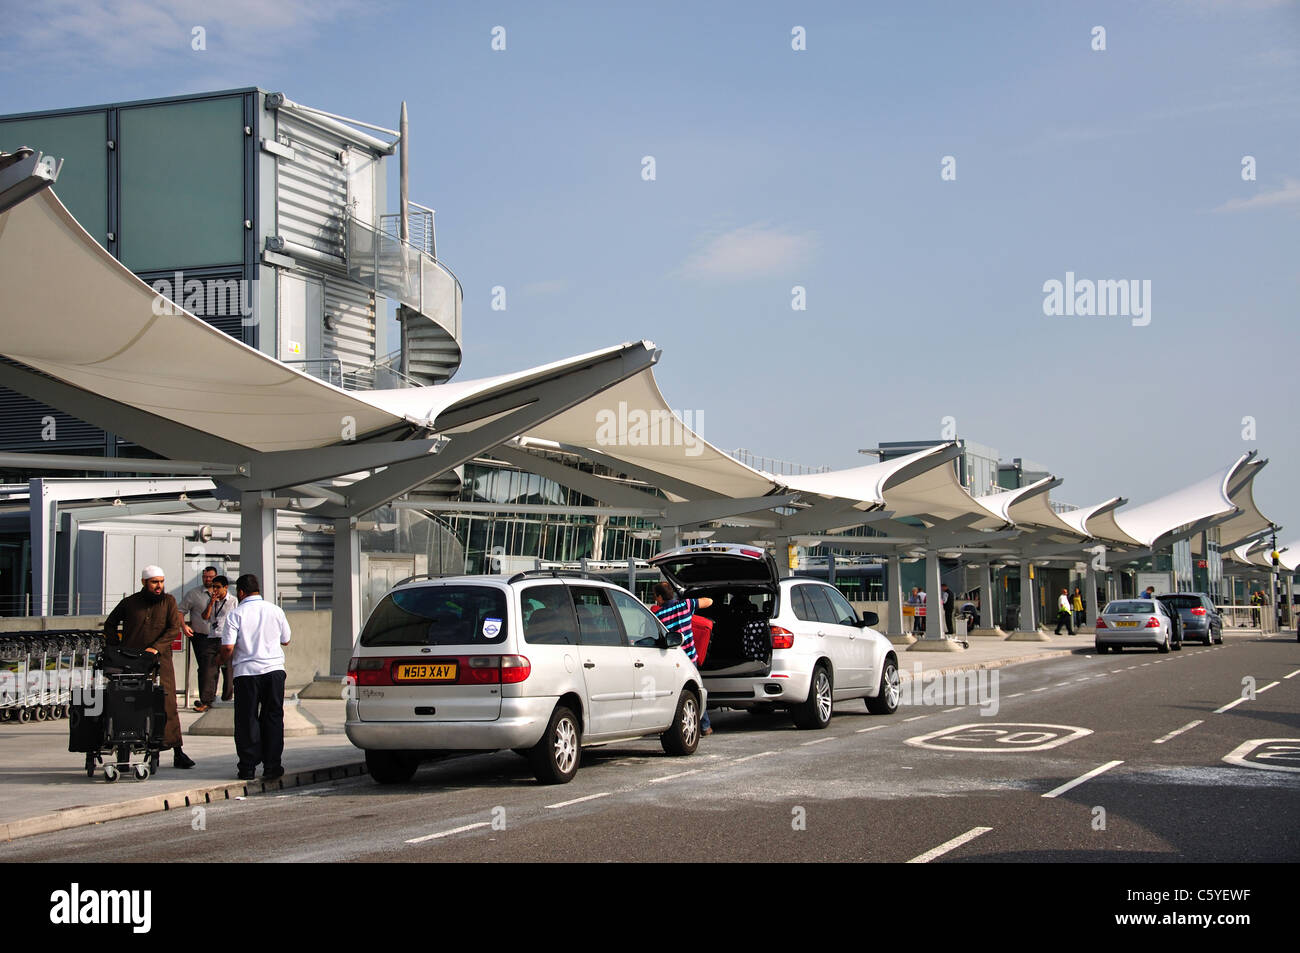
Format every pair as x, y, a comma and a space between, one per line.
1144, 664
872, 728
1174, 734
577, 800
1043, 689
1283, 750
1260, 691
1293, 674
1231, 704
1062, 684
1130, 668
958, 708
817, 741
1016, 695
454, 830
1115, 670
1081, 778
946, 846
764, 754
669, 777
916, 718
1084, 679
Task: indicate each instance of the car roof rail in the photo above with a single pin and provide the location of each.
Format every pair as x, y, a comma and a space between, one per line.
556, 573
426, 575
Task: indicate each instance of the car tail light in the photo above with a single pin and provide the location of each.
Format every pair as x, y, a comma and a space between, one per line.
494, 669
752, 553
371, 671
1101, 623
1152, 623
782, 638
1198, 611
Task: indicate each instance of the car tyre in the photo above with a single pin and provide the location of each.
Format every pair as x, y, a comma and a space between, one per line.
391, 767
815, 713
556, 756
891, 690
1102, 649
1164, 646
683, 735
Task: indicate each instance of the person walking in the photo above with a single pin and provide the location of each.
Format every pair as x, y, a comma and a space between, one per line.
253, 636
947, 597
149, 621
920, 595
1077, 602
1063, 613
676, 615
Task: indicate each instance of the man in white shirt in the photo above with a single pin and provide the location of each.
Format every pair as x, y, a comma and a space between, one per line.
253, 637
1064, 612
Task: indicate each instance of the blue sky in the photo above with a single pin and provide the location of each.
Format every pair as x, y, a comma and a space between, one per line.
821, 168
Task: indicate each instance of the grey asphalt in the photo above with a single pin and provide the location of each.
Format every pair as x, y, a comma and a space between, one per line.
761, 790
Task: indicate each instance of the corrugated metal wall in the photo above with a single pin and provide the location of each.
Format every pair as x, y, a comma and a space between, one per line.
350, 331
311, 188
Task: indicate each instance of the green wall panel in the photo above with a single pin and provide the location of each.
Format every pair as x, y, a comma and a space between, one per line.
81, 140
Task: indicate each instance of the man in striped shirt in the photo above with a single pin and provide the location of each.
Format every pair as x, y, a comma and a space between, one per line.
676, 615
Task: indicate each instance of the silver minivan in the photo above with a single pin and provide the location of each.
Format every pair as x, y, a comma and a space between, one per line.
543, 662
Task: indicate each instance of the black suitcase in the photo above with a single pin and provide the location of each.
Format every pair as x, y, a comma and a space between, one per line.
85, 730
134, 711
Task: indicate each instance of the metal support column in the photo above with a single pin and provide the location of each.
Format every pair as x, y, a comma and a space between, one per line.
895, 596
345, 620
988, 620
257, 541
1090, 596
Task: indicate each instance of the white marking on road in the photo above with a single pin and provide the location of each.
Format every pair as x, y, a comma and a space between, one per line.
1081, 778
1016, 695
817, 741
1260, 691
1174, 734
1293, 674
669, 777
764, 754
916, 718
1062, 684
958, 708
454, 830
1144, 664
947, 846
1130, 668
1043, 689
1084, 679
577, 800
872, 728
1232, 704
1114, 670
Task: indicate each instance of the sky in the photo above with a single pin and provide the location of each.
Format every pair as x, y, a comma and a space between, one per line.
921, 171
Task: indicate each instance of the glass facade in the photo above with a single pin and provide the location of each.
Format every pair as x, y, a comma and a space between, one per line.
182, 180
81, 140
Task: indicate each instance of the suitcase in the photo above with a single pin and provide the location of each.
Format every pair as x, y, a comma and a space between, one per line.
134, 711
701, 632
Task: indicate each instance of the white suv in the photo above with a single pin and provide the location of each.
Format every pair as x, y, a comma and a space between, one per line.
542, 662
819, 651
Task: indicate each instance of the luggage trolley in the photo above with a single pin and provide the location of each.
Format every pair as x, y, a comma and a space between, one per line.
122, 716
13, 677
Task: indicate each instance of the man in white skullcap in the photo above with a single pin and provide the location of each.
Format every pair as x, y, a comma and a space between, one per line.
150, 622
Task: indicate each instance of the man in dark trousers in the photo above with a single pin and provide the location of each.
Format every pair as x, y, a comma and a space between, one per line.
254, 636
150, 622
676, 615
947, 608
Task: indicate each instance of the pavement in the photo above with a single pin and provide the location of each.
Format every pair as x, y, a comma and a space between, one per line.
44, 787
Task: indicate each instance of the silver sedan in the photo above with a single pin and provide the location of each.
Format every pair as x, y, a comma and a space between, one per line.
1135, 623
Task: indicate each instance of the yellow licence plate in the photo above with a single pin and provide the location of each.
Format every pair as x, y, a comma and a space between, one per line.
1126, 625
425, 672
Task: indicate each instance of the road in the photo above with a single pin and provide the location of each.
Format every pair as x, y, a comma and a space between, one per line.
1114, 757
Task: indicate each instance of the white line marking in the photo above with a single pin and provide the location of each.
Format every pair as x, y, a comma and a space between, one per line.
1081, 778
1231, 704
958, 708
1260, 691
577, 800
946, 846
454, 830
669, 777
817, 741
1043, 689
1130, 668
1084, 679
764, 754
1062, 684
1293, 674
1145, 664
1114, 670
872, 728
1016, 695
1174, 734
916, 717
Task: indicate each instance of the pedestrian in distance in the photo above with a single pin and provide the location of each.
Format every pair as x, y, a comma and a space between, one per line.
197, 632
1063, 613
149, 621
946, 595
253, 638
676, 615
1077, 602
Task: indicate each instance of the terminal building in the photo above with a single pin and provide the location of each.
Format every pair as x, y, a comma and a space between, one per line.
280, 396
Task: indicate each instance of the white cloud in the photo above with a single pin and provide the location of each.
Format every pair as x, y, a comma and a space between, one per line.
139, 33
750, 251
1289, 194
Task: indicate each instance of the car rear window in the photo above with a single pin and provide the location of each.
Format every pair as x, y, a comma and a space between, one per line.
438, 615
1182, 602
548, 616
1127, 608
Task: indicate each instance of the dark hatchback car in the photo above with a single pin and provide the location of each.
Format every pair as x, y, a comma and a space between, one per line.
1200, 620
